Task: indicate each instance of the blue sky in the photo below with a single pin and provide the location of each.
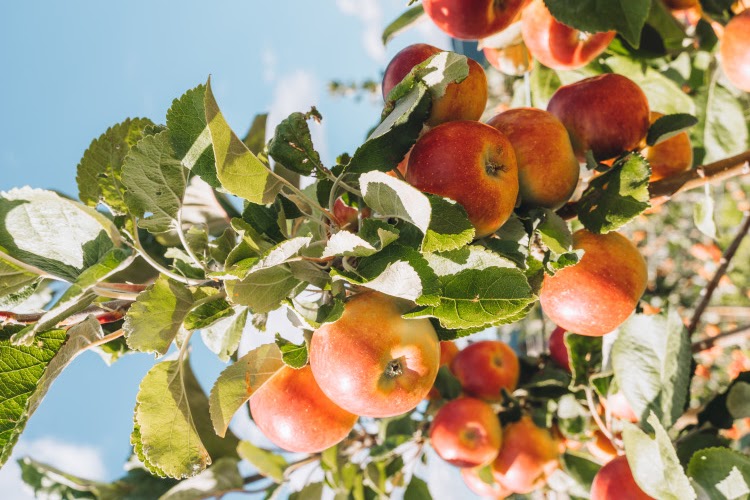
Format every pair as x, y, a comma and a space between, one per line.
71, 69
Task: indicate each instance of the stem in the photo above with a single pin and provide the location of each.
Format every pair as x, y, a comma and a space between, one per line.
597, 418
108, 312
184, 242
29, 268
107, 338
708, 343
302, 195
725, 259
122, 291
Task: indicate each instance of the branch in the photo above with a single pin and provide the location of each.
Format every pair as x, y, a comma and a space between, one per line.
708, 343
107, 312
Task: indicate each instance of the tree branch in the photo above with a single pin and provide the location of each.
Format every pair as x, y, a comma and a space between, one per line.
708, 343
107, 312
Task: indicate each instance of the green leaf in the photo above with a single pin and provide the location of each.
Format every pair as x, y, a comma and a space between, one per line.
669, 28
312, 491
49, 482
668, 126
627, 17
239, 171
264, 290
294, 355
585, 354
345, 243
651, 358
724, 130
703, 213
239, 381
544, 82
292, 144
654, 463
99, 175
617, 196
447, 384
402, 22
722, 473
255, 139
468, 257
155, 183
14, 280
581, 469
215, 481
223, 337
417, 490
207, 314
53, 317
156, 317
189, 135
111, 262
717, 410
738, 400
267, 463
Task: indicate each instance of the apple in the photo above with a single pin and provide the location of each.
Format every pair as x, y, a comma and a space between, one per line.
681, 4
619, 407
472, 19
596, 295
529, 454
471, 163
735, 50
485, 368
486, 490
670, 157
466, 432
348, 214
558, 351
512, 60
607, 114
373, 362
556, 45
615, 481
601, 447
448, 351
462, 101
292, 411
547, 167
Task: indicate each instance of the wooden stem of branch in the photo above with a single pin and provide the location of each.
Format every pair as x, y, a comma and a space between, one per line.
708, 343
107, 312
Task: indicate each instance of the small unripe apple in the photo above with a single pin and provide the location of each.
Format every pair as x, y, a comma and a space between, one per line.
558, 351
607, 114
735, 50
547, 167
485, 490
292, 411
669, 157
596, 295
472, 19
485, 368
471, 163
615, 481
465, 100
466, 433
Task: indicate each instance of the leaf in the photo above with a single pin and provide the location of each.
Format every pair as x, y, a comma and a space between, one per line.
668, 126
554, 231
617, 196
717, 410
468, 257
99, 173
443, 222
417, 490
223, 337
294, 355
53, 317
585, 354
346, 243
255, 139
654, 463
155, 181
221, 477
153, 321
402, 22
447, 384
189, 135
724, 130
239, 171
49, 482
627, 17
651, 358
267, 463
580, 468
239, 381
292, 144
671, 32
703, 213
738, 400
14, 280
722, 473
111, 262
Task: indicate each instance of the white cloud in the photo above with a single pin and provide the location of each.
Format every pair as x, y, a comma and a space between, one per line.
270, 62
370, 13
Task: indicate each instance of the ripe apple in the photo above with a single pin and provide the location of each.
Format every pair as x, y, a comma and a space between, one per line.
669, 157
448, 351
292, 411
373, 362
619, 407
466, 433
529, 454
485, 368
472, 19
601, 447
347, 214
512, 60
471, 163
615, 481
547, 167
735, 50
482, 488
598, 294
558, 351
462, 101
607, 114
681, 4
556, 45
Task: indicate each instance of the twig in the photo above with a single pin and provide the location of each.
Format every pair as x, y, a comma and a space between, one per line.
708, 343
107, 312
595, 414
107, 338
711, 287
183, 240
122, 291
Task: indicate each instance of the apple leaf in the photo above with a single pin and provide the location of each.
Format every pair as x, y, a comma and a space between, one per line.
654, 463
222, 476
723, 129
51, 318
223, 337
239, 381
378, 233
346, 243
207, 314
14, 280
293, 355
314, 315
292, 144
99, 174
468, 257
585, 354
627, 17
417, 490
239, 170
580, 468
717, 410
402, 22
268, 464
721, 473
263, 290
668, 126
651, 358
703, 213
189, 134
617, 196
50, 482
738, 400
255, 139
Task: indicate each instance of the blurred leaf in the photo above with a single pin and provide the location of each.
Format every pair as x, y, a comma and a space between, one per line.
402, 22
311, 491
669, 28
544, 82
223, 337
292, 144
48, 482
738, 400
724, 130
294, 355
717, 411
627, 17
447, 384
268, 464
722, 473
221, 477
668, 126
703, 214
585, 354
255, 139
417, 490
691, 442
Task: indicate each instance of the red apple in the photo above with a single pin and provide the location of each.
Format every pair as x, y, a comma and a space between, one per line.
607, 114
462, 101
735, 50
466, 433
599, 293
373, 362
348, 214
556, 45
482, 488
471, 163
681, 4
472, 19
601, 447
512, 60
670, 157
448, 351
485, 368
558, 351
292, 411
547, 167
619, 407
615, 481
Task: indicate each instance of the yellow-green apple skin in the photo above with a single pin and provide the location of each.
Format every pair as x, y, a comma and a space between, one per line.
547, 167
373, 362
292, 411
471, 163
615, 481
466, 432
485, 368
596, 295
472, 19
465, 100
735, 50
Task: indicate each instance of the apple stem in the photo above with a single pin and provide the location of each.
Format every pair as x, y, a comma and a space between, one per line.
394, 368
598, 419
